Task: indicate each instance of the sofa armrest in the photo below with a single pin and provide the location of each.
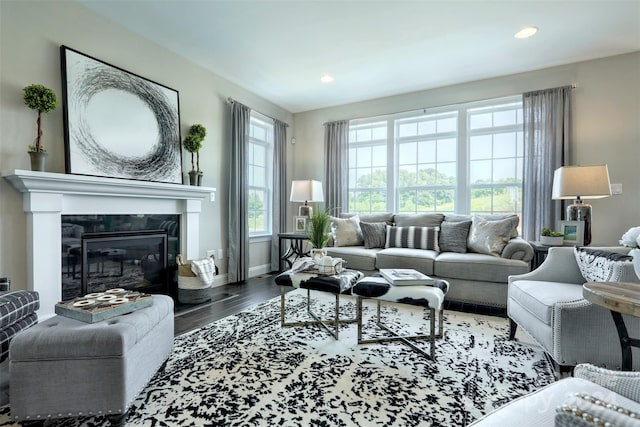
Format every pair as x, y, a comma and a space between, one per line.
518, 248
559, 266
626, 384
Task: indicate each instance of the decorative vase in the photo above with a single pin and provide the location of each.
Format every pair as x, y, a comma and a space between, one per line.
200, 173
317, 254
635, 253
551, 240
37, 160
193, 177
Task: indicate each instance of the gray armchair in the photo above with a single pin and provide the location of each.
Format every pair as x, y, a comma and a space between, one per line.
548, 304
611, 396
17, 312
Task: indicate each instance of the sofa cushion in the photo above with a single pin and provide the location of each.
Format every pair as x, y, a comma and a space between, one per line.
477, 267
490, 237
412, 237
539, 297
355, 257
347, 231
374, 217
374, 234
418, 259
604, 266
418, 220
453, 236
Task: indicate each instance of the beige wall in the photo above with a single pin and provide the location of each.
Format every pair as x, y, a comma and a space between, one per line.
31, 33
606, 126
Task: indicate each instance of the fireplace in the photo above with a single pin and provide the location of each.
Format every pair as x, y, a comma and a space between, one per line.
101, 252
47, 197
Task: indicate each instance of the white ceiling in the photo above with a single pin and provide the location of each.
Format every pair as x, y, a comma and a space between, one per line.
374, 48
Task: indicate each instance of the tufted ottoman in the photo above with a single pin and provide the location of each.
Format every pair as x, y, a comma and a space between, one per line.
63, 367
431, 297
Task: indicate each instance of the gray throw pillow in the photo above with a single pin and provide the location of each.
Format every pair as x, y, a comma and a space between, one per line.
347, 231
374, 234
453, 236
490, 237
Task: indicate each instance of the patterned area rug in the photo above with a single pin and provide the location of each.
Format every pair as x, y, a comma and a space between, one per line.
246, 370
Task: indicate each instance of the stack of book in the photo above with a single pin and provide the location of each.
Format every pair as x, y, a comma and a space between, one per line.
405, 276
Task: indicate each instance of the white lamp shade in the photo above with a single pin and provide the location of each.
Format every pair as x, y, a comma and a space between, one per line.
306, 191
585, 182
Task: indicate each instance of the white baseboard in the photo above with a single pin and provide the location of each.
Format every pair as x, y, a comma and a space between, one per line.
222, 279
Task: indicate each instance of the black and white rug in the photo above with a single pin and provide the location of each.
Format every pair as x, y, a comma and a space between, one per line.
246, 370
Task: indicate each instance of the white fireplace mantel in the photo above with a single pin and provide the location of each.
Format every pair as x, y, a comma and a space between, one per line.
47, 196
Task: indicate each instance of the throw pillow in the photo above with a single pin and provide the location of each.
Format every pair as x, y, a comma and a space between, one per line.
490, 237
374, 234
582, 409
413, 237
347, 231
418, 220
453, 236
604, 266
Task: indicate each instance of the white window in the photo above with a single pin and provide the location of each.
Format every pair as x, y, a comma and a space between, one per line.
464, 158
260, 174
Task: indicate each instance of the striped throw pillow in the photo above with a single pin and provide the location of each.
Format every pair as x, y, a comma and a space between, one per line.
413, 237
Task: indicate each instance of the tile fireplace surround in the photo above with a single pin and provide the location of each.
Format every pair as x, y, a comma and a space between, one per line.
47, 196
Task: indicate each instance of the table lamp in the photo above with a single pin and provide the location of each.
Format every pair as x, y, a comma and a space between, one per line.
306, 191
578, 183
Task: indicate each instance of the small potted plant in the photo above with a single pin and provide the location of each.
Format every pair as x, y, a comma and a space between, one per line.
551, 238
43, 100
319, 233
193, 144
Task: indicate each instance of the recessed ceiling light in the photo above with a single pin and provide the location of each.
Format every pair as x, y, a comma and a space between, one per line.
526, 32
326, 78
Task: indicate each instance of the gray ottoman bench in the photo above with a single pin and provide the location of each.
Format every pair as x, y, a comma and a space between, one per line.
428, 296
66, 368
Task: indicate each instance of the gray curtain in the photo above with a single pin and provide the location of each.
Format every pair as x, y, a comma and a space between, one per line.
336, 146
547, 130
279, 218
238, 194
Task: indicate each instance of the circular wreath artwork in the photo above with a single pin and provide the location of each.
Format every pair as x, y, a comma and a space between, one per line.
130, 158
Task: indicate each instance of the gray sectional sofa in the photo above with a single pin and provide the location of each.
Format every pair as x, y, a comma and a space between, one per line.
476, 255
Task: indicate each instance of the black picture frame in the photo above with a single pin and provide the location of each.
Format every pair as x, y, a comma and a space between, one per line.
118, 124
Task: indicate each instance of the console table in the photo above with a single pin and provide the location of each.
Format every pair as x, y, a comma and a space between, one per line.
620, 298
297, 243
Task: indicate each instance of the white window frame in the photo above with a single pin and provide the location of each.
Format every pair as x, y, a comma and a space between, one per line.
463, 134
259, 121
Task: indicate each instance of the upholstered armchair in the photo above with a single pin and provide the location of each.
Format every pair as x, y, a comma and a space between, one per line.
548, 304
17, 312
612, 397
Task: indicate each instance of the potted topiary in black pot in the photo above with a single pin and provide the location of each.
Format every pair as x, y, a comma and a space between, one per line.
193, 144
43, 100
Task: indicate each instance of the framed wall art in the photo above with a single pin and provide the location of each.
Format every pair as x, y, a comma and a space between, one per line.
118, 124
573, 232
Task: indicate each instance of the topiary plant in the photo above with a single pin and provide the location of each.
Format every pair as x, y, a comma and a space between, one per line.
193, 143
43, 100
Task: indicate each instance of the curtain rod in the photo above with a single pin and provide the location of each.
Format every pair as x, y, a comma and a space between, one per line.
573, 86
230, 101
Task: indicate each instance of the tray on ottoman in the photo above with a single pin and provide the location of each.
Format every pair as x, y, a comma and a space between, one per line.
100, 306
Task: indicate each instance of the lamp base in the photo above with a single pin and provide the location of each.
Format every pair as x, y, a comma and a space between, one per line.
305, 210
579, 211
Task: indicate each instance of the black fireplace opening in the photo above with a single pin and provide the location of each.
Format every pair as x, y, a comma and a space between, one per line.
134, 261
134, 252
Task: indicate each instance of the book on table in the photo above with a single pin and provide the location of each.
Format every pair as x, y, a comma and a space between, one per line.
405, 276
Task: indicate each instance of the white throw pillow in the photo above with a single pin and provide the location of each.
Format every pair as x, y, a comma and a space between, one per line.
603, 266
347, 231
490, 237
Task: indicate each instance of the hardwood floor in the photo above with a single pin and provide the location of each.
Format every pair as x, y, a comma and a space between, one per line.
227, 300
